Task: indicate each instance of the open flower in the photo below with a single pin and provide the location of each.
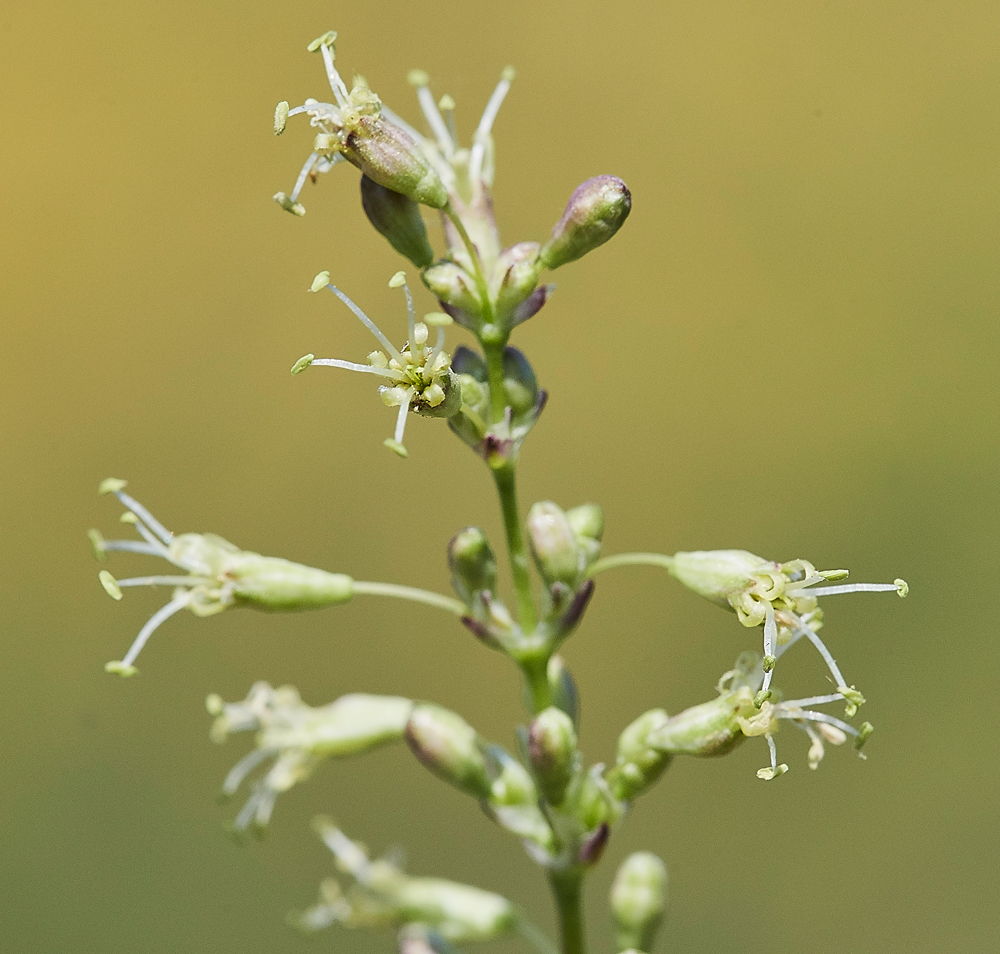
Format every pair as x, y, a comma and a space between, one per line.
782, 596
716, 727
219, 574
353, 128
381, 894
419, 378
298, 737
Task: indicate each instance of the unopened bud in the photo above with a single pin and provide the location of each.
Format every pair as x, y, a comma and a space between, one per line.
453, 285
514, 276
562, 686
519, 382
637, 764
587, 522
552, 748
397, 217
473, 565
449, 747
595, 211
638, 901
387, 155
553, 544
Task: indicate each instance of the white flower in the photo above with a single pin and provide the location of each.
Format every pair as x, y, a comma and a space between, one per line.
219, 574
419, 377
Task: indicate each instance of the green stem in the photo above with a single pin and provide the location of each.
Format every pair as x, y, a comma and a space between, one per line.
567, 888
411, 593
631, 559
498, 394
503, 476
536, 672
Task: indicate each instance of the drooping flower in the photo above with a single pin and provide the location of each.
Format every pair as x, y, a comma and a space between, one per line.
381, 894
419, 378
219, 574
298, 737
782, 596
357, 128
716, 727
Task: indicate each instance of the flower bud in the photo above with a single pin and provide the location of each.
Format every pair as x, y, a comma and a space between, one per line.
397, 217
719, 574
638, 901
387, 155
473, 565
514, 277
449, 747
587, 523
519, 382
553, 544
552, 749
455, 287
638, 765
562, 685
595, 211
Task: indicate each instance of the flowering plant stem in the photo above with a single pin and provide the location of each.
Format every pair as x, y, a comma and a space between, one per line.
567, 888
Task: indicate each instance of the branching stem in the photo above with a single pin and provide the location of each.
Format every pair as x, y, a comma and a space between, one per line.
632, 559
411, 593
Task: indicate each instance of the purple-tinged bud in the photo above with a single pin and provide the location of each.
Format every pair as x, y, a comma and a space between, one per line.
397, 218
552, 749
387, 155
449, 747
595, 211
562, 685
531, 305
473, 564
514, 277
519, 382
638, 901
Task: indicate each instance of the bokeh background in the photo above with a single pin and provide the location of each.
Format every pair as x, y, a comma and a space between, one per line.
789, 348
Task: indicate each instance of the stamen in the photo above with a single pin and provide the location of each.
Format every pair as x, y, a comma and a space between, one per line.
447, 106
160, 616
823, 651
351, 366
244, 767
438, 346
849, 588
134, 546
146, 535
482, 136
165, 581
419, 80
336, 83
144, 515
770, 637
303, 175
368, 323
815, 717
813, 700
774, 752
401, 424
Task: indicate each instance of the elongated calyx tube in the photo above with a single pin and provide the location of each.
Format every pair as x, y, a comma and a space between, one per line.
596, 210
397, 218
449, 747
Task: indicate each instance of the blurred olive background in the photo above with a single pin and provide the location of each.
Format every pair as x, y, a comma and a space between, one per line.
789, 348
